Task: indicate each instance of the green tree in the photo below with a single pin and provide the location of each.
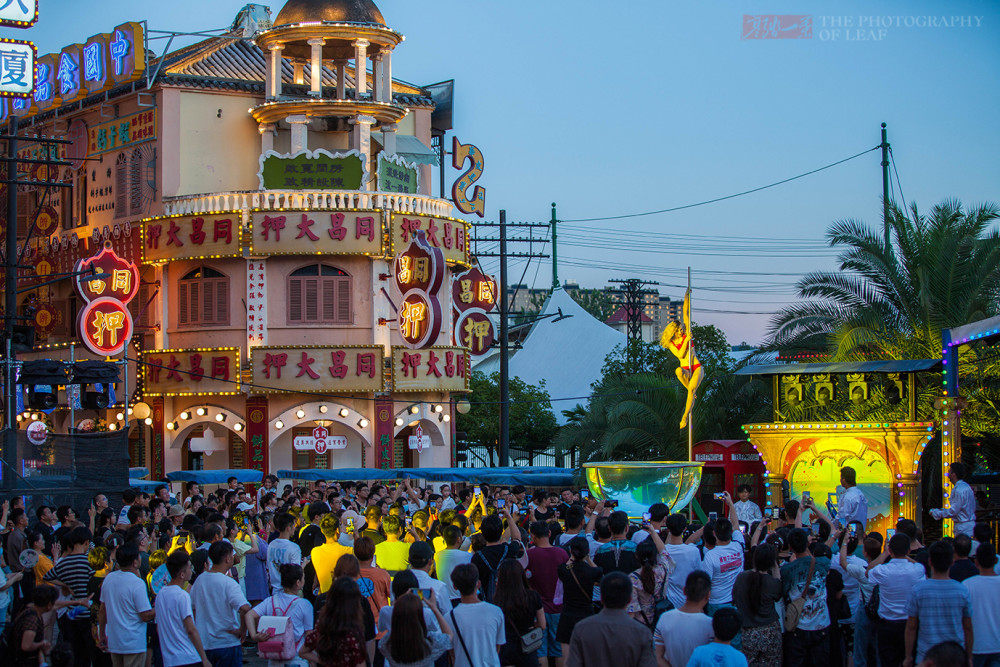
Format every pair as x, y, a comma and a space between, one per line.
892, 301
532, 423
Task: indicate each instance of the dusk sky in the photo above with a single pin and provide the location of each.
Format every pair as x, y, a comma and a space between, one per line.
619, 108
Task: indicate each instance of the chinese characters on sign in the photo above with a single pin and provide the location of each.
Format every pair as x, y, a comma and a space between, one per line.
293, 232
312, 170
256, 303
431, 369
418, 440
318, 368
105, 324
17, 70
396, 175
191, 237
319, 440
447, 234
418, 273
474, 294
18, 13
213, 371
121, 132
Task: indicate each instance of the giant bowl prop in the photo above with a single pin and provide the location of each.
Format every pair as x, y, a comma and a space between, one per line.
638, 484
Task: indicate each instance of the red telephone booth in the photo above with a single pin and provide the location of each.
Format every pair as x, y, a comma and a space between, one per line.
728, 465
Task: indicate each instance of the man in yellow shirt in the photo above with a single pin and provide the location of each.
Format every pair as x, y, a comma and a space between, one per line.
393, 554
325, 557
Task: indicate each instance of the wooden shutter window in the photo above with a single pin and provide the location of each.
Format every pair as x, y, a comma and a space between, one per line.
222, 301
204, 298
182, 305
295, 300
343, 300
319, 294
311, 300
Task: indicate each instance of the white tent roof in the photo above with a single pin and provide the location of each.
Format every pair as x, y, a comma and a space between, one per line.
567, 352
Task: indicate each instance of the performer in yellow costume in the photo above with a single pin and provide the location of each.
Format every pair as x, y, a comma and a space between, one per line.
677, 338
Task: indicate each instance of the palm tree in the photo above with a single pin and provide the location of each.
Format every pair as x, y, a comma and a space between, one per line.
891, 301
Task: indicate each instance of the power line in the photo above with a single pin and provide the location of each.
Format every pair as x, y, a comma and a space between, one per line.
718, 199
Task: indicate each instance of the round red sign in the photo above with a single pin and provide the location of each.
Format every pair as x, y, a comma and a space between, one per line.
105, 326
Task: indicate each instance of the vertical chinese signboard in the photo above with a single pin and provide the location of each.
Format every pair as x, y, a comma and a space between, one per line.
257, 439
474, 294
419, 272
105, 323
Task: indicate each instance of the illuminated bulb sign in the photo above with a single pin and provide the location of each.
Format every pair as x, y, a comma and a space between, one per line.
105, 323
18, 13
418, 273
474, 294
319, 441
101, 63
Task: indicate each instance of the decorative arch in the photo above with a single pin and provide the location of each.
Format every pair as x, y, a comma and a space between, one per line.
313, 412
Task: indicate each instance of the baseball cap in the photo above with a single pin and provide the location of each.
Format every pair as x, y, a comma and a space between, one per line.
243, 507
175, 510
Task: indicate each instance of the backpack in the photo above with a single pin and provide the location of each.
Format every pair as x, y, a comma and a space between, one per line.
871, 606
280, 646
491, 583
794, 608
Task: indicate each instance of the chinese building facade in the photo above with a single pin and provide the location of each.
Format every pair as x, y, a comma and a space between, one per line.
273, 187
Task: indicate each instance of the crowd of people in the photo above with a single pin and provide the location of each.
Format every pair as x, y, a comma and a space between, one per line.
352, 575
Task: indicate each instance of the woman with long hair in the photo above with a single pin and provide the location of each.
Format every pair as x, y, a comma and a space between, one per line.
287, 603
649, 582
105, 526
755, 593
579, 575
339, 637
409, 642
522, 611
349, 566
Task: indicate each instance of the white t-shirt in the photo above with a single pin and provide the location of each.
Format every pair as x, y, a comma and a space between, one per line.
748, 511
216, 599
895, 580
684, 633
173, 605
123, 595
852, 506
564, 539
448, 504
852, 587
279, 552
482, 628
300, 616
440, 590
723, 564
985, 595
686, 559
385, 620
445, 563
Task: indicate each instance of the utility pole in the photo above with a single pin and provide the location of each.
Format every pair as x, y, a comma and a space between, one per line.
885, 184
632, 291
555, 258
503, 448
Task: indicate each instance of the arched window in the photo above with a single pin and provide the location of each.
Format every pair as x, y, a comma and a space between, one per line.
203, 298
319, 294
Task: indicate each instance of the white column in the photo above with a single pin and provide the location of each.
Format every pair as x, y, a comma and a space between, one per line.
300, 131
387, 75
316, 73
389, 139
341, 79
362, 140
361, 66
266, 137
276, 50
377, 76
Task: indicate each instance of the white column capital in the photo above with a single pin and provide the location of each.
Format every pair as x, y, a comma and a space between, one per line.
277, 47
264, 128
297, 119
316, 41
362, 43
363, 120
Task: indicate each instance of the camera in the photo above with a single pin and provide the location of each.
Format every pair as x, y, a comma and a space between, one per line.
719, 496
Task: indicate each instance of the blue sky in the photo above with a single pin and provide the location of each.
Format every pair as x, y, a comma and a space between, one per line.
617, 108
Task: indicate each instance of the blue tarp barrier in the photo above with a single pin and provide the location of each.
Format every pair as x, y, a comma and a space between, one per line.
215, 476
528, 476
138, 473
143, 484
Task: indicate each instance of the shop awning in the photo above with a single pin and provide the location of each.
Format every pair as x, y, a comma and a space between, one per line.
411, 149
528, 476
215, 476
338, 474
839, 368
138, 473
143, 484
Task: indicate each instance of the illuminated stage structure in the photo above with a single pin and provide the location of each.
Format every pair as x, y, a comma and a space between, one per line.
638, 484
808, 455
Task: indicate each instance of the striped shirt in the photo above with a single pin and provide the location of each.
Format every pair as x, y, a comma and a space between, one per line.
75, 572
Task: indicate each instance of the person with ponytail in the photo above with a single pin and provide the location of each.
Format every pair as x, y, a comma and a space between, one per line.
522, 611
755, 594
649, 581
339, 637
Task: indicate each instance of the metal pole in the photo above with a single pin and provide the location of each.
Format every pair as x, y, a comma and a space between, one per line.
442, 168
504, 446
10, 310
72, 403
555, 258
690, 457
885, 184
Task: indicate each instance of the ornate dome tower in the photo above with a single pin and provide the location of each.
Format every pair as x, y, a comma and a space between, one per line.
318, 40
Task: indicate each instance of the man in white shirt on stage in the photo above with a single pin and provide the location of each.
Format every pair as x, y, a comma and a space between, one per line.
852, 506
963, 502
747, 511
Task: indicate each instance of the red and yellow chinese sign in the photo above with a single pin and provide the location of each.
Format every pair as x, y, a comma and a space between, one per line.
202, 371
345, 232
474, 294
449, 235
105, 323
432, 369
418, 272
212, 235
319, 369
